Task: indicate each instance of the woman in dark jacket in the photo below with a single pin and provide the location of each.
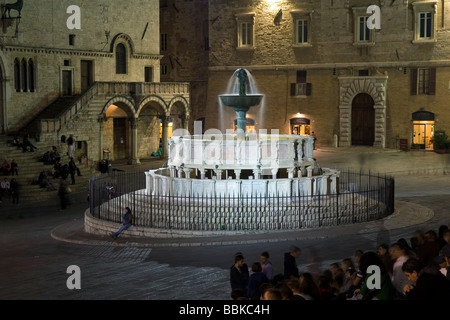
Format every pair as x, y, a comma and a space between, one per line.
257, 278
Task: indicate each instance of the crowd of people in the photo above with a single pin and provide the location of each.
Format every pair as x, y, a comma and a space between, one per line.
414, 270
9, 188
25, 144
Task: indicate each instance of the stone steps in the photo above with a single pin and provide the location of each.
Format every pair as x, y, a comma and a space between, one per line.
29, 168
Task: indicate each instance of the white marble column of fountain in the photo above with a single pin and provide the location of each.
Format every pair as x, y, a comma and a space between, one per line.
309, 148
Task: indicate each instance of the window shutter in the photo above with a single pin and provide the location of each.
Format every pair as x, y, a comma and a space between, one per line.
293, 89
308, 89
413, 82
432, 86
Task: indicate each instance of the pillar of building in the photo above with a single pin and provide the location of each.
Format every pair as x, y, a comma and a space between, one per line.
165, 136
134, 137
101, 119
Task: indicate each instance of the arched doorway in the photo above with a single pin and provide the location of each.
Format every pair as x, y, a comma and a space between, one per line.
150, 129
117, 133
363, 120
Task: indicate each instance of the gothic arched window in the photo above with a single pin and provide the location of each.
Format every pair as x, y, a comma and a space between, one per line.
121, 59
24, 75
31, 75
17, 75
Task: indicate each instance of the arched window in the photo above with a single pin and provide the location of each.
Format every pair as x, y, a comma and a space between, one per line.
121, 59
24, 75
31, 75
17, 75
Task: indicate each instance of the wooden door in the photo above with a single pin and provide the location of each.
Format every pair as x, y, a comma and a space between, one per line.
86, 74
363, 120
120, 138
67, 83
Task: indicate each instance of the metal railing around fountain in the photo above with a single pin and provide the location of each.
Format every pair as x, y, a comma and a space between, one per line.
361, 197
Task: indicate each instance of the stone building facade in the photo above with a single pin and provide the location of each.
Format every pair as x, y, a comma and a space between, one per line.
99, 83
323, 70
184, 48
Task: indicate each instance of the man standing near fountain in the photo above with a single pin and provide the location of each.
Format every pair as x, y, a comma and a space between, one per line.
290, 265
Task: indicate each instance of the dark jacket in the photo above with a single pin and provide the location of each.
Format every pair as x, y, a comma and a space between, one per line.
239, 278
256, 279
290, 266
430, 286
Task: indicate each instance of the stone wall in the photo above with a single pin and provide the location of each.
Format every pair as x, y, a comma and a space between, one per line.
331, 53
42, 35
187, 28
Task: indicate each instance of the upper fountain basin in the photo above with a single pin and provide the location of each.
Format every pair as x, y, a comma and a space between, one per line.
235, 100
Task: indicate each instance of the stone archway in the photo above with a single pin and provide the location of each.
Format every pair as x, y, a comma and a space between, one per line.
350, 87
117, 126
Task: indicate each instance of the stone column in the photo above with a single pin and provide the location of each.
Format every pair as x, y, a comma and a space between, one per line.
134, 137
274, 173
291, 172
218, 173
309, 171
180, 172
309, 148
165, 136
257, 173
187, 172
173, 172
300, 153
148, 182
202, 173
101, 119
237, 172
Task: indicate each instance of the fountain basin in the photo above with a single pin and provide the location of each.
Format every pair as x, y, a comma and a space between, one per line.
237, 101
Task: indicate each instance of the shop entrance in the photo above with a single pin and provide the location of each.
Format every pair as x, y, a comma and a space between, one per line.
300, 126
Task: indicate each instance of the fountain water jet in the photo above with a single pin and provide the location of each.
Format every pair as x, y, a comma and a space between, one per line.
241, 102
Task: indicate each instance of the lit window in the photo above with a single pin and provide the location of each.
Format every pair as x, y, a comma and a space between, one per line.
302, 31
425, 25
363, 31
363, 36
302, 27
246, 32
424, 21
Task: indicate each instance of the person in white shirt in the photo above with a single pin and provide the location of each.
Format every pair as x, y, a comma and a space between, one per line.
4, 188
398, 277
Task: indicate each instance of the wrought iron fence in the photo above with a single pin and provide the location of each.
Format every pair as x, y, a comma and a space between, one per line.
360, 197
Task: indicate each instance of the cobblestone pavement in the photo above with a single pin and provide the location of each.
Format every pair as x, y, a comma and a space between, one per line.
34, 264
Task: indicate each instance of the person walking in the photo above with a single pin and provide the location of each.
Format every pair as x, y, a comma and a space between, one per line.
126, 223
62, 193
290, 265
72, 169
70, 146
14, 186
14, 167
